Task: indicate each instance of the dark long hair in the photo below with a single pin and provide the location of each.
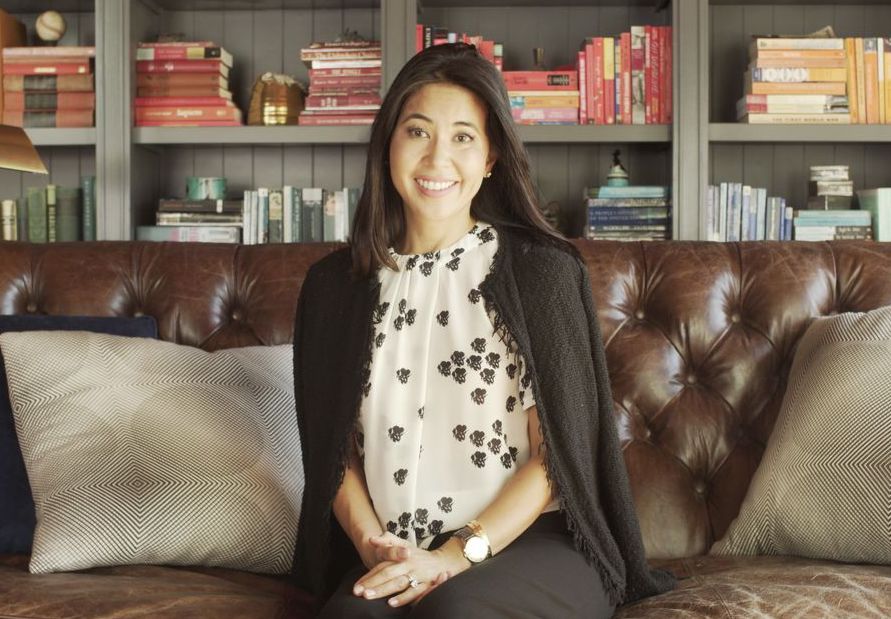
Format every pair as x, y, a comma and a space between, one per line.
508, 198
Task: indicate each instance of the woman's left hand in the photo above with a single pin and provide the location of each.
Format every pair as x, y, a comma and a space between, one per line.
429, 568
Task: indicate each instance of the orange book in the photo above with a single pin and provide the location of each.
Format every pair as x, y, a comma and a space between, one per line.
800, 53
795, 88
192, 80
187, 113
851, 58
887, 80
861, 80
871, 79
832, 63
39, 68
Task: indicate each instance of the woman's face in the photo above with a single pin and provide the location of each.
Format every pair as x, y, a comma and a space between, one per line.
439, 153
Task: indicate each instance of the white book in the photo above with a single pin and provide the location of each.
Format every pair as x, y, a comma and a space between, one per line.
761, 214
255, 216
798, 43
723, 207
746, 222
263, 215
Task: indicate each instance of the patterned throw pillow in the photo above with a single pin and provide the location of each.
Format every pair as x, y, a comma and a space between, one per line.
145, 452
823, 488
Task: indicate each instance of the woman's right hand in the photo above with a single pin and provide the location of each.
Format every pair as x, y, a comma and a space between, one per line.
383, 547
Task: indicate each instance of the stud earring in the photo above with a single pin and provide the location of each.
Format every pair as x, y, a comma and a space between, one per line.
488, 175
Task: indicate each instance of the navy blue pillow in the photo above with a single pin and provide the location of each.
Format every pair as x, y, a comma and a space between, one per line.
16, 503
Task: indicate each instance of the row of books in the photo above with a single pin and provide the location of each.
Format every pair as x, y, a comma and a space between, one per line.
737, 212
627, 79
33, 95
287, 215
183, 83
344, 82
428, 36
51, 214
629, 213
826, 80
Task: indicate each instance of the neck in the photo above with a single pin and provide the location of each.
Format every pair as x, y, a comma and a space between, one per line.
426, 236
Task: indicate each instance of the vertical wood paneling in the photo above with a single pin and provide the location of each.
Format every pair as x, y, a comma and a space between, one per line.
298, 165
238, 168
328, 167
268, 166
728, 60
238, 28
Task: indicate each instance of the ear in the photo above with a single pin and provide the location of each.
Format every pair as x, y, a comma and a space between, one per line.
490, 161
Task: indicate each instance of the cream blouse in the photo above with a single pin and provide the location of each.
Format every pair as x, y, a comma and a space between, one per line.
442, 423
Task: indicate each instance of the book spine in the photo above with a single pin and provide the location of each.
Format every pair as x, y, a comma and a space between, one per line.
10, 53
525, 101
56, 118
617, 70
344, 72
626, 79
68, 214
851, 78
343, 120
880, 82
313, 101
189, 102
191, 122
798, 43
583, 84
37, 215
798, 53
638, 67
180, 66
589, 82
546, 113
186, 80
801, 74
88, 220
668, 88
344, 64
8, 221
871, 72
887, 84
39, 68
26, 101
167, 93
276, 216
194, 52
58, 83
169, 44
540, 80
648, 75
861, 80
50, 197
609, 81
819, 119
797, 88
362, 83
826, 63
189, 234
187, 113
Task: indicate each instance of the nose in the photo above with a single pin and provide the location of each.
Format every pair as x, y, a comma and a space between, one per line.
438, 150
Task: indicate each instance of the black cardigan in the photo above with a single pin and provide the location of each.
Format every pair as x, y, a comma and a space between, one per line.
542, 297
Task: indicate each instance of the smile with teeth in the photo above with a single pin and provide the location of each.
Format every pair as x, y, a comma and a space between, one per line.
434, 185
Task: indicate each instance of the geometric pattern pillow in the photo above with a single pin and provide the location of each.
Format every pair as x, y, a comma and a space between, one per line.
823, 488
147, 452
16, 503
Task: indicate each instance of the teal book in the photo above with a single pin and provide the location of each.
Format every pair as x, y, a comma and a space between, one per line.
631, 191
297, 215
88, 217
36, 199
878, 203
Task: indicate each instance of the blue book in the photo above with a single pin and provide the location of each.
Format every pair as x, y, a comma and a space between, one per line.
633, 191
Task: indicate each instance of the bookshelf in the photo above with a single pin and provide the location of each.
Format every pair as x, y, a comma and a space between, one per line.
136, 166
779, 157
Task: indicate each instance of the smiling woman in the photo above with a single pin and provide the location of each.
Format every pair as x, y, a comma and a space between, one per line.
452, 436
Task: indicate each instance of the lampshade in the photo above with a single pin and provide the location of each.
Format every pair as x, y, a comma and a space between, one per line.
17, 152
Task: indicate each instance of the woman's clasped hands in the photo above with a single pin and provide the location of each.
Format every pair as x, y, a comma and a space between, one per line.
398, 567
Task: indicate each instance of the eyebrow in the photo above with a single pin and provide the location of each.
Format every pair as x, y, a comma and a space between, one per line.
463, 123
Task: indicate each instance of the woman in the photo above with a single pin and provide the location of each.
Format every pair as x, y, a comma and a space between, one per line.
453, 400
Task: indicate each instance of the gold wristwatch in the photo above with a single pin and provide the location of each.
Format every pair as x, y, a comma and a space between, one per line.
476, 542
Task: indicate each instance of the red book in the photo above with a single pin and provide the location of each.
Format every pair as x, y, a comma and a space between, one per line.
609, 81
541, 80
18, 101
656, 32
56, 118
626, 78
46, 59
347, 88
350, 119
183, 91
337, 111
589, 81
182, 66
182, 102
546, 114
188, 113
185, 53
342, 101
667, 90
648, 74
583, 84
41, 68
176, 44
419, 37
343, 72
48, 83
597, 83
191, 80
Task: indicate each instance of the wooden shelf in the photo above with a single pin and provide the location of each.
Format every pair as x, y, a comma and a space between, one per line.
62, 137
63, 6
542, 3
595, 133
741, 132
251, 135
261, 5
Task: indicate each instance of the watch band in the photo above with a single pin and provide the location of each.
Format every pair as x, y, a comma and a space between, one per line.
473, 529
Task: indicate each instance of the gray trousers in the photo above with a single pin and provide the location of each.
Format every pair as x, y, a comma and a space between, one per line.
540, 574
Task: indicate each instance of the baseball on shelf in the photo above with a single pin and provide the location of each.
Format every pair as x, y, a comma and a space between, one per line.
50, 26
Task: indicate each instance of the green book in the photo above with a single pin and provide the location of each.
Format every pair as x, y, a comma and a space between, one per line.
36, 199
313, 199
276, 214
88, 219
353, 194
51, 213
878, 203
68, 219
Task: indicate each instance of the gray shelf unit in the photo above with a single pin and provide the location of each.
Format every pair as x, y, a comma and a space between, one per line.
67, 153
779, 156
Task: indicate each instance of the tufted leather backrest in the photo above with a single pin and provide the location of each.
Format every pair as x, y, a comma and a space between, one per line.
699, 338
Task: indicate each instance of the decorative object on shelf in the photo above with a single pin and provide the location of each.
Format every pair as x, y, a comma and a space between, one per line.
276, 99
538, 59
830, 188
618, 175
206, 187
50, 27
17, 152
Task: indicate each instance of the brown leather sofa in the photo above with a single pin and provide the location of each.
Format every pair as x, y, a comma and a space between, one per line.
699, 338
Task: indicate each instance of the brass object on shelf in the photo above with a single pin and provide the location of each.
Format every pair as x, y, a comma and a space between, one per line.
276, 99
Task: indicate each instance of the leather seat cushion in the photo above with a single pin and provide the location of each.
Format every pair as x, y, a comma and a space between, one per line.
745, 587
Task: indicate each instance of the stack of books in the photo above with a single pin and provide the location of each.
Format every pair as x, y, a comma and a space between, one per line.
796, 80
737, 212
344, 83
830, 188
869, 79
298, 214
428, 36
182, 84
626, 79
197, 221
832, 225
51, 214
632, 213
48, 86
543, 97
877, 202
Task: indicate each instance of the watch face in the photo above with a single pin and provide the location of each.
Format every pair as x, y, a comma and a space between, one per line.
476, 549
